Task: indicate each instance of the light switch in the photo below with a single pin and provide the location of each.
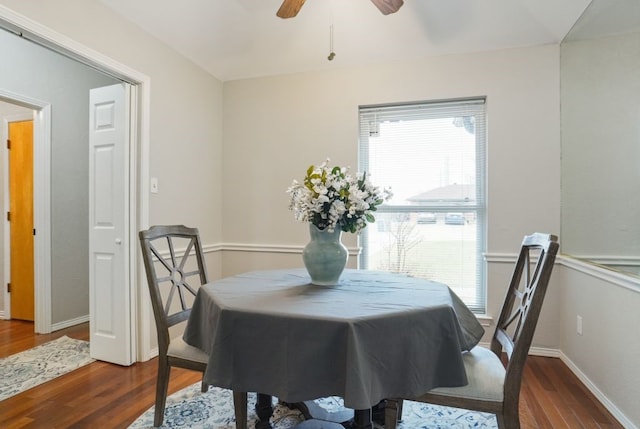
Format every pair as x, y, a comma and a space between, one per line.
579, 325
154, 185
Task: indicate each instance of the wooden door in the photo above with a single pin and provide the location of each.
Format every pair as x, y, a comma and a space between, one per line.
21, 219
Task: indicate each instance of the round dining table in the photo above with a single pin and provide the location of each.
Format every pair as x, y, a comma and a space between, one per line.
372, 336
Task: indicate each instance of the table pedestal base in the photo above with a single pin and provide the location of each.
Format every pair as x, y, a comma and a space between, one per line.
344, 418
318, 424
315, 416
264, 410
312, 411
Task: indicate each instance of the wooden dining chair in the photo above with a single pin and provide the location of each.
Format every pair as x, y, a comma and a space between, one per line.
175, 268
495, 375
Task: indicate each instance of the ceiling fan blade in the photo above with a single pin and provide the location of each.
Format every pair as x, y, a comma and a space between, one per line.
388, 6
290, 8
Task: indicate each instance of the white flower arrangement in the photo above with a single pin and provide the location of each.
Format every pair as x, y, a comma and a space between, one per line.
331, 198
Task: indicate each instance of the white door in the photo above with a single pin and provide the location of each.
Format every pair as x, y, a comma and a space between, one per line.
109, 297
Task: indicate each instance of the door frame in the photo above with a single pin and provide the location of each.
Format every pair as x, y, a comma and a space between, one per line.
138, 169
41, 208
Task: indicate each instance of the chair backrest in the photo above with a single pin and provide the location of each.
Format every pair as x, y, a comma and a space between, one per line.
519, 316
175, 268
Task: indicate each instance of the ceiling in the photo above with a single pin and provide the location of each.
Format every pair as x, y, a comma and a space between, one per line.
607, 18
235, 39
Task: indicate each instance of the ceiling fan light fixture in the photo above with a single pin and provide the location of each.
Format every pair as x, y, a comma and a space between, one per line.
289, 8
388, 6
332, 54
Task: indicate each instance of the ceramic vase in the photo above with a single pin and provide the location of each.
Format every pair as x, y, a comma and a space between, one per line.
325, 256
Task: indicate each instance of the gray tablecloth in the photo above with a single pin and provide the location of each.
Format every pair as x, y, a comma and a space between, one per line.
373, 336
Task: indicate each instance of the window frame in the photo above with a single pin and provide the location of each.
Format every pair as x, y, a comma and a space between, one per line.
432, 110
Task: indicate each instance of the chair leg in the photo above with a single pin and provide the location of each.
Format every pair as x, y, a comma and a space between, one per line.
508, 421
400, 405
205, 386
240, 408
391, 414
162, 385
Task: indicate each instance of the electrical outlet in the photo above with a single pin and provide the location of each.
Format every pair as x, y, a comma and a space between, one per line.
579, 325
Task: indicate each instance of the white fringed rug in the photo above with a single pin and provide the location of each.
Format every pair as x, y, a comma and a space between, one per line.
40, 364
189, 408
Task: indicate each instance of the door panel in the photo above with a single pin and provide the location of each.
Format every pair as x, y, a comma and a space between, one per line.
21, 223
109, 296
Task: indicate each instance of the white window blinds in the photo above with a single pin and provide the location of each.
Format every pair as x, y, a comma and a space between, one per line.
432, 155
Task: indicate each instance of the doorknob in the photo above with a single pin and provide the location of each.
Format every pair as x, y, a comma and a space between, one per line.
118, 241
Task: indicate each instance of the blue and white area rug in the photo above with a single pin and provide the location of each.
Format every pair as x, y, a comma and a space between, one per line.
190, 408
24, 370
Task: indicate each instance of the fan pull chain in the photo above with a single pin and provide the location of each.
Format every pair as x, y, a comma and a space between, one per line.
331, 53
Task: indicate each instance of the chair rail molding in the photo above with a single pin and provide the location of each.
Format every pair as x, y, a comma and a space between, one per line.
265, 248
620, 279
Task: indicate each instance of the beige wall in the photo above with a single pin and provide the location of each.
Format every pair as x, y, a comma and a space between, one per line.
599, 93
600, 135
185, 115
606, 355
275, 127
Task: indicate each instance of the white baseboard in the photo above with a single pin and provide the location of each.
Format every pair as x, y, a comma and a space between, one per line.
153, 353
545, 352
62, 325
69, 323
610, 406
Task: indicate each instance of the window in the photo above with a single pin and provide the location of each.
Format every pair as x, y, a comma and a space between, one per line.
432, 155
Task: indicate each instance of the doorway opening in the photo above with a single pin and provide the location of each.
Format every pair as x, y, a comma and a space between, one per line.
139, 332
11, 116
39, 113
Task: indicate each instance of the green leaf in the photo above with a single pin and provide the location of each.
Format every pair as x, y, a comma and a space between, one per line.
362, 181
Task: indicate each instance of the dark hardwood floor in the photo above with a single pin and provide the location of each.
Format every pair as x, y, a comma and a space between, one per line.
102, 395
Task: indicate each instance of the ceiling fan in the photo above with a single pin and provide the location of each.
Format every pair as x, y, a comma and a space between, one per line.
290, 8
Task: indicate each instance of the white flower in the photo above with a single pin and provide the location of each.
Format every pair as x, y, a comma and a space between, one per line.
331, 198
